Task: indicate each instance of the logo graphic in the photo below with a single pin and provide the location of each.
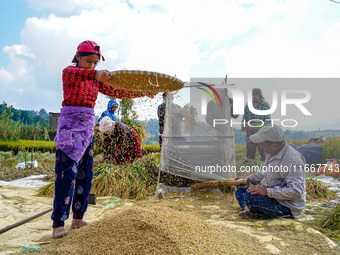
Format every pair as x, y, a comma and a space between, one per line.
209, 93
300, 97
280, 101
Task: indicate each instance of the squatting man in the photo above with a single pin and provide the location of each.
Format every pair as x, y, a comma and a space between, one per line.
274, 193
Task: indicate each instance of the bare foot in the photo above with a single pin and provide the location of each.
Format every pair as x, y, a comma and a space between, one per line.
60, 232
77, 223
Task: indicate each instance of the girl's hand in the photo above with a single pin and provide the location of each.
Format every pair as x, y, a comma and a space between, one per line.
150, 94
103, 75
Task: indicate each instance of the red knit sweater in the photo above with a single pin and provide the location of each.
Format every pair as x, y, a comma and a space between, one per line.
81, 88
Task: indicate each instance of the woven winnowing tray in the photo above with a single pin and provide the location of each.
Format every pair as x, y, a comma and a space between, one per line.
144, 81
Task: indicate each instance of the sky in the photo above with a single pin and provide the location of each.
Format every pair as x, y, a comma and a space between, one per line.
187, 38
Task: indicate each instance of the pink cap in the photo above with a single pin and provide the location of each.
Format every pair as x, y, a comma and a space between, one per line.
88, 46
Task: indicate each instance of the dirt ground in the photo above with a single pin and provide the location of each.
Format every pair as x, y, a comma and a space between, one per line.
188, 223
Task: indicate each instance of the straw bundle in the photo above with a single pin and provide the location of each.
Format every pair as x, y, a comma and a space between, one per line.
144, 81
317, 191
209, 185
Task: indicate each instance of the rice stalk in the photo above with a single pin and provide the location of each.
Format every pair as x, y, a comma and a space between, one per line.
329, 223
316, 190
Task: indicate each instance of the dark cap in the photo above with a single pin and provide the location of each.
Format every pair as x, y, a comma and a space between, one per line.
258, 91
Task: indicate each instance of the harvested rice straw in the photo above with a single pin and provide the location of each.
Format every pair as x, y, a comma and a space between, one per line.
144, 81
316, 190
209, 185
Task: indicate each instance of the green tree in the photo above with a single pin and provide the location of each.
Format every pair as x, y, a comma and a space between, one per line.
16, 115
128, 114
151, 129
3, 108
9, 129
26, 118
38, 120
43, 113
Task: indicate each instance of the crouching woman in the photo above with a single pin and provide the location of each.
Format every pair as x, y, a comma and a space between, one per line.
127, 146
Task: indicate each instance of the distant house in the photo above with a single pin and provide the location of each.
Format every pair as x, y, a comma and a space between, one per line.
54, 116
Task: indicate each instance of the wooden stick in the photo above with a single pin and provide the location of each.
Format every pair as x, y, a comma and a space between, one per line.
3, 230
208, 185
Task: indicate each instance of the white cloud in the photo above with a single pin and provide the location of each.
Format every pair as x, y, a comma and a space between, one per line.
18, 50
20, 91
187, 38
17, 73
289, 46
128, 38
5, 77
66, 5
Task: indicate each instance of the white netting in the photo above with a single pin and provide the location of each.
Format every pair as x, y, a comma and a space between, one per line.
192, 148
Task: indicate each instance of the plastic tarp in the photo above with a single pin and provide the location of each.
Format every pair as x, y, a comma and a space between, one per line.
33, 181
192, 146
18, 203
311, 152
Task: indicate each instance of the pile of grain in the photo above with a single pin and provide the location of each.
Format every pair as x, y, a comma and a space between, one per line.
152, 230
144, 81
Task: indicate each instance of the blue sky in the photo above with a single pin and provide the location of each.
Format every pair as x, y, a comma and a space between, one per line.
13, 15
192, 38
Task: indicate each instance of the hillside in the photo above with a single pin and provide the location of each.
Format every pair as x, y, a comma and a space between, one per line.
41, 118
26, 117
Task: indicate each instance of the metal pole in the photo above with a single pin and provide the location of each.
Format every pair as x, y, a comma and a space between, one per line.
24, 221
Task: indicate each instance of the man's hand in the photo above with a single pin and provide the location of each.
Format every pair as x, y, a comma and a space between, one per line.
257, 190
102, 75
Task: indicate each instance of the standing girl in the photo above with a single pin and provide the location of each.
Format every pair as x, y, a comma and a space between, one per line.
74, 139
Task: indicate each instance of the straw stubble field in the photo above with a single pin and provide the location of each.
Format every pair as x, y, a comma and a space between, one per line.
190, 223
